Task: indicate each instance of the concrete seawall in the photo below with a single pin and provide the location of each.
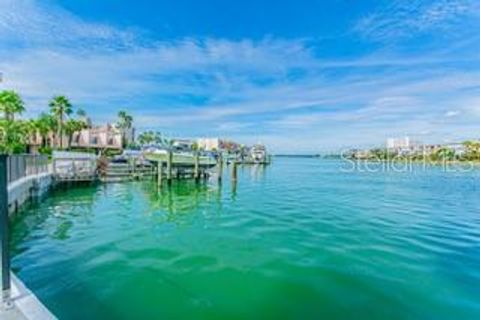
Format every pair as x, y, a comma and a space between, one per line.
26, 189
25, 304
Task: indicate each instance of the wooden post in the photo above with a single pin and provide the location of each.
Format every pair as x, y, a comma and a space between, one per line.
169, 167
220, 167
159, 173
196, 172
133, 168
234, 171
4, 232
234, 179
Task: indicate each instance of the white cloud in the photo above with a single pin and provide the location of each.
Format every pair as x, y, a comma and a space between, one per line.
245, 85
30, 23
403, 19
451, 113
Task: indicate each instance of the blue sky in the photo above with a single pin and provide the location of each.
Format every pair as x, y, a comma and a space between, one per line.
300, 76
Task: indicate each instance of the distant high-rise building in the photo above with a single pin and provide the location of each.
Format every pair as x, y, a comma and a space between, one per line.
398, 143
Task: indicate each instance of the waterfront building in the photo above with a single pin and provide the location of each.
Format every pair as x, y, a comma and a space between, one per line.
101, 137
398, 143
404, 146
107, 136
209, 144
217, 144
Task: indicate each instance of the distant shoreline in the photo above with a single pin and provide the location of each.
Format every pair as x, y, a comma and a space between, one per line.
297, 156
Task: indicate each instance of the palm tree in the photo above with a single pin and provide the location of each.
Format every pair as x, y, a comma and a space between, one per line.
11, 103
60, 106
81, 112
13, 135
72, 126
443, 154
46, 124
31, 130
124, 123
158, 138
146, 138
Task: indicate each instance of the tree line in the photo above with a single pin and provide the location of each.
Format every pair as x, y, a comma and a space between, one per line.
61, 120
471, 152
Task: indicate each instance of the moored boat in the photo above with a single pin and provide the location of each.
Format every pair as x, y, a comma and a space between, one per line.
258, 154
185, 159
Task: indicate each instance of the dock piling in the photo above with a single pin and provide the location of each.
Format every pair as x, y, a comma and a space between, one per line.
220, 167
159, 173
234, 171
169, 167
196, 172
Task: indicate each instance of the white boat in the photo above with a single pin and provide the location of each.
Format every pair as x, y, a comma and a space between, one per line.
185, 159
258, 154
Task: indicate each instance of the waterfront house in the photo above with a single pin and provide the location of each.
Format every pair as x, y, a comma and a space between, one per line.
217, 144
106, 136
101, 137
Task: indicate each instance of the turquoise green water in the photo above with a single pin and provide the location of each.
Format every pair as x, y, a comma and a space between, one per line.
297, 240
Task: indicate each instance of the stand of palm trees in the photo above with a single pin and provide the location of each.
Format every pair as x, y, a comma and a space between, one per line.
124, 124
49, 128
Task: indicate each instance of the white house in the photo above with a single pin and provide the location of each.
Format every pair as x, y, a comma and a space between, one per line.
99, 137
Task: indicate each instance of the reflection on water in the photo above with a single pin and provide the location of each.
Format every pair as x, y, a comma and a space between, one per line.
257, 172
181, 197
68, 205
186, 196
60, 219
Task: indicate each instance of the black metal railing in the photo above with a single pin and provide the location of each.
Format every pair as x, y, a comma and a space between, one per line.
4, 230
23, 165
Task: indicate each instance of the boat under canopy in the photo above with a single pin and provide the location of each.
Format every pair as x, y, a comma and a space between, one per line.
181, 159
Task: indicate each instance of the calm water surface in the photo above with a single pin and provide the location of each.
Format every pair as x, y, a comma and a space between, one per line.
297, 240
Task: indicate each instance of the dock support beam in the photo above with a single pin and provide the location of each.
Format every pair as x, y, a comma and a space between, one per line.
4, 230
134, 168
220, 167
159, 173
234, 171
196, 169
169, 167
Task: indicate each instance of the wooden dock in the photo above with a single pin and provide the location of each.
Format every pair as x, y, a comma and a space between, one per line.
69, 166
182, 160
75, 169
132, 170
181, 166
165, 166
